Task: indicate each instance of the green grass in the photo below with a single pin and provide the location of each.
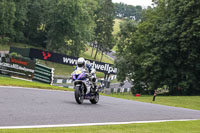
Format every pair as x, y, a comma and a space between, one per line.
164, 127
105, 59
6, 81
116, 27
59, 69
114, 81
190, 102
87, 55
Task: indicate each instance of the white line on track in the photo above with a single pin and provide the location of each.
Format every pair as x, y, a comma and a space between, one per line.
90, 124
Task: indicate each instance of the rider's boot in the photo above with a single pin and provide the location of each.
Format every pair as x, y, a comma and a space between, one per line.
88, 88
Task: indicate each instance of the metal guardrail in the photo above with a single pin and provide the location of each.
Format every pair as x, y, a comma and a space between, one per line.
119, 90
43, 74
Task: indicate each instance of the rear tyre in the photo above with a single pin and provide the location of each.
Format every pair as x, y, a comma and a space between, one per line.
78, 95
96, 99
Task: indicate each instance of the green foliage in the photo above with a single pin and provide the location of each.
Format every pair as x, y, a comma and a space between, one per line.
163, 50
7, 19
34, 28
104, 19
21, 18
13, 54
128, 11
63, 26
116, 27
67, 26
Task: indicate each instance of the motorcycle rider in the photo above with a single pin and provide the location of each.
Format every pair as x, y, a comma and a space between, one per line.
89, 70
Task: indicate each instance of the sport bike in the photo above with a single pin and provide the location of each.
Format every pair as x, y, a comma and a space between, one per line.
82, 85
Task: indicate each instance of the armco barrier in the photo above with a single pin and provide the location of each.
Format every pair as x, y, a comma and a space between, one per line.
62, 80
119, 90
43, 74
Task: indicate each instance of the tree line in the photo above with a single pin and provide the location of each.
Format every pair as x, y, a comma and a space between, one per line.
64, 26
163, 50
128, 11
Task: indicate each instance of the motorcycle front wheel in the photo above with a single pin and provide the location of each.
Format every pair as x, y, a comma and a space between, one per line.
96, 99
78, 95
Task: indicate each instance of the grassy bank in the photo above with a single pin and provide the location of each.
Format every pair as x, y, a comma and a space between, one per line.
190, 102
87, 55
165, 127
116, 27
61, 69
6, 81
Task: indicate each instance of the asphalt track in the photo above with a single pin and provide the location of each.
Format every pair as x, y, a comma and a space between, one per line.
27, 107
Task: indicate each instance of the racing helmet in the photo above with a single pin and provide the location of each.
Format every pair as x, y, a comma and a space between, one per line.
81, 62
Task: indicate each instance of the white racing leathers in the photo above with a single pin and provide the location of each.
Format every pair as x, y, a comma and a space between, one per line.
90, 82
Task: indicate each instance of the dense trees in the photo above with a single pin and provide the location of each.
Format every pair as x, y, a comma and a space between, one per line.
64, 26
128, 11
34, 28
163, 49
67, 26
104, 20
7, 19
58, 25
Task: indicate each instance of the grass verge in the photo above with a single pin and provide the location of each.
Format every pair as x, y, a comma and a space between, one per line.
116, 27
6, 81
163, 127
190, 102
87, 55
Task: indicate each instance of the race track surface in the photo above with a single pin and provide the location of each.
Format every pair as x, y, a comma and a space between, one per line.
24, 107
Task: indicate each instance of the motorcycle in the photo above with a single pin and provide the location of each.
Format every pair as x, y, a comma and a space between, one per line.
82, 83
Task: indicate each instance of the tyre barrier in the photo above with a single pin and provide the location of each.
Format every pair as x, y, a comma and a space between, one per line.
43, 74
40, 72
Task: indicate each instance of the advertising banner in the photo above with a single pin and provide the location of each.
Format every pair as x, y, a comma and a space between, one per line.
18, 67
69, 60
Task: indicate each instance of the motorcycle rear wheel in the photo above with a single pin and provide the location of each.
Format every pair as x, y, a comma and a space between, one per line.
78, 95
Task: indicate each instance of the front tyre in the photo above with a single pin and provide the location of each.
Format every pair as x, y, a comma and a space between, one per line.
96, 99
78, 95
